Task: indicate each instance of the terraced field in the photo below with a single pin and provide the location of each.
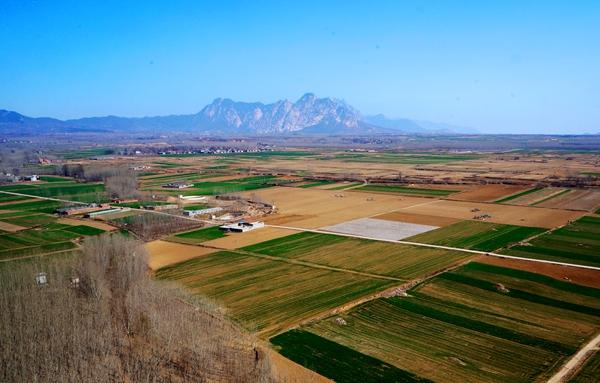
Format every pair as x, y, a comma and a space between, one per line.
578, 242
479, 323
477, 235
266, 295
518, 195
374, 257
405, 190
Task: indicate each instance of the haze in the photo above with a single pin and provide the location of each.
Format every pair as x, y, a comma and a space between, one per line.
507, 67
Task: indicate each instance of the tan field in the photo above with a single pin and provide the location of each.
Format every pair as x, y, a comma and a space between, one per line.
513, 215
87, 222
292, 372
10, 227
237, 240
587, 200
420, 219
488, 193
314, 208
163, 253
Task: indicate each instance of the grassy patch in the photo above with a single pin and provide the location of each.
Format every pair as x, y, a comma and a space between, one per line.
483, 236
476, 323
201, 235
517, 195
374, 257
337, 362
84, 230
267, 295
405, 190
578, 242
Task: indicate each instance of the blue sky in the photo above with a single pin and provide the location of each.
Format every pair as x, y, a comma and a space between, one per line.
498, 66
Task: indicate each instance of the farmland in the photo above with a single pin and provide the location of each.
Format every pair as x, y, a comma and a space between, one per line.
530, 325
405, 190
374, 257
265, 295
477, 235
578, 242
198, 236
589, 372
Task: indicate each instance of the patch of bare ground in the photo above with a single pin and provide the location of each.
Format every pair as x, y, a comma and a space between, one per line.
10, 227
572, 274
506, 214
163, 253
291, 372
487, 193
281, 219
88, 222
417, 218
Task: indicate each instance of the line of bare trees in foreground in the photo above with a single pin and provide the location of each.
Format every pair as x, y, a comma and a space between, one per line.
116, 324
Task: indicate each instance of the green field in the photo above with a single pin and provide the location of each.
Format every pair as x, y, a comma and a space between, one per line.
476, 323
195, 207
267, 295
346, 186
83, 192
84, 153
374, 257
476, 235
590, 372
405, 190
517, 195
337, 362
199, 236
312, 184
578, 242
140, 204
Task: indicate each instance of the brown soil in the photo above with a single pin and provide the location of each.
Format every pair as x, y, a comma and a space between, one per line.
162, 253
574, 274
10, 227
487, 193
513, 215
587, 200
87, 222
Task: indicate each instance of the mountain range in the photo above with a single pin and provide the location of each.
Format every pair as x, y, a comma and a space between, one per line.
308, 115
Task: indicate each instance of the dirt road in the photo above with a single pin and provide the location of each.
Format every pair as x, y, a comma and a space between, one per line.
575, 362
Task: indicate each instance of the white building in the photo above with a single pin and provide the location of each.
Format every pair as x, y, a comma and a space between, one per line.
209, 210
242, 226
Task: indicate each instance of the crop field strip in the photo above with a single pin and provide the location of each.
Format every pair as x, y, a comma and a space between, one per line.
589, 372
578, 242
477, 235
198, 236
405, 190
405, 159
517, 195
375, 257
268, 296
458, 319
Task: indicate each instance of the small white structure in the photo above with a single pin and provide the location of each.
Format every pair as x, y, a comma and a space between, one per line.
32, 177
107, 211
192, 198
41, 279
242, 226
210, 210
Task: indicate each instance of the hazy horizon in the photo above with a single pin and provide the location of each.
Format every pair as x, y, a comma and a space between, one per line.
510, 67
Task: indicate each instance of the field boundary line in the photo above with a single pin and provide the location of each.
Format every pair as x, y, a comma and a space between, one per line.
576, 361
306, 264
478, 252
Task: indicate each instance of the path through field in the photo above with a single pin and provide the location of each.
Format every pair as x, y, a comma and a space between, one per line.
349, 235
575, 362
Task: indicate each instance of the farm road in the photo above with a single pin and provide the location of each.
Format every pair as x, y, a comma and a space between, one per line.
346, 235
477, 252
576, 361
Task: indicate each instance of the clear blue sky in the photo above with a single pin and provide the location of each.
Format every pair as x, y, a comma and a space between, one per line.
497, 66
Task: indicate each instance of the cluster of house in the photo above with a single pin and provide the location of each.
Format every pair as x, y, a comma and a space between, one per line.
242, 226
178, 185
14, 178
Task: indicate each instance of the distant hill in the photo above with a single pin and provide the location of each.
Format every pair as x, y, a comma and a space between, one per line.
308, 115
